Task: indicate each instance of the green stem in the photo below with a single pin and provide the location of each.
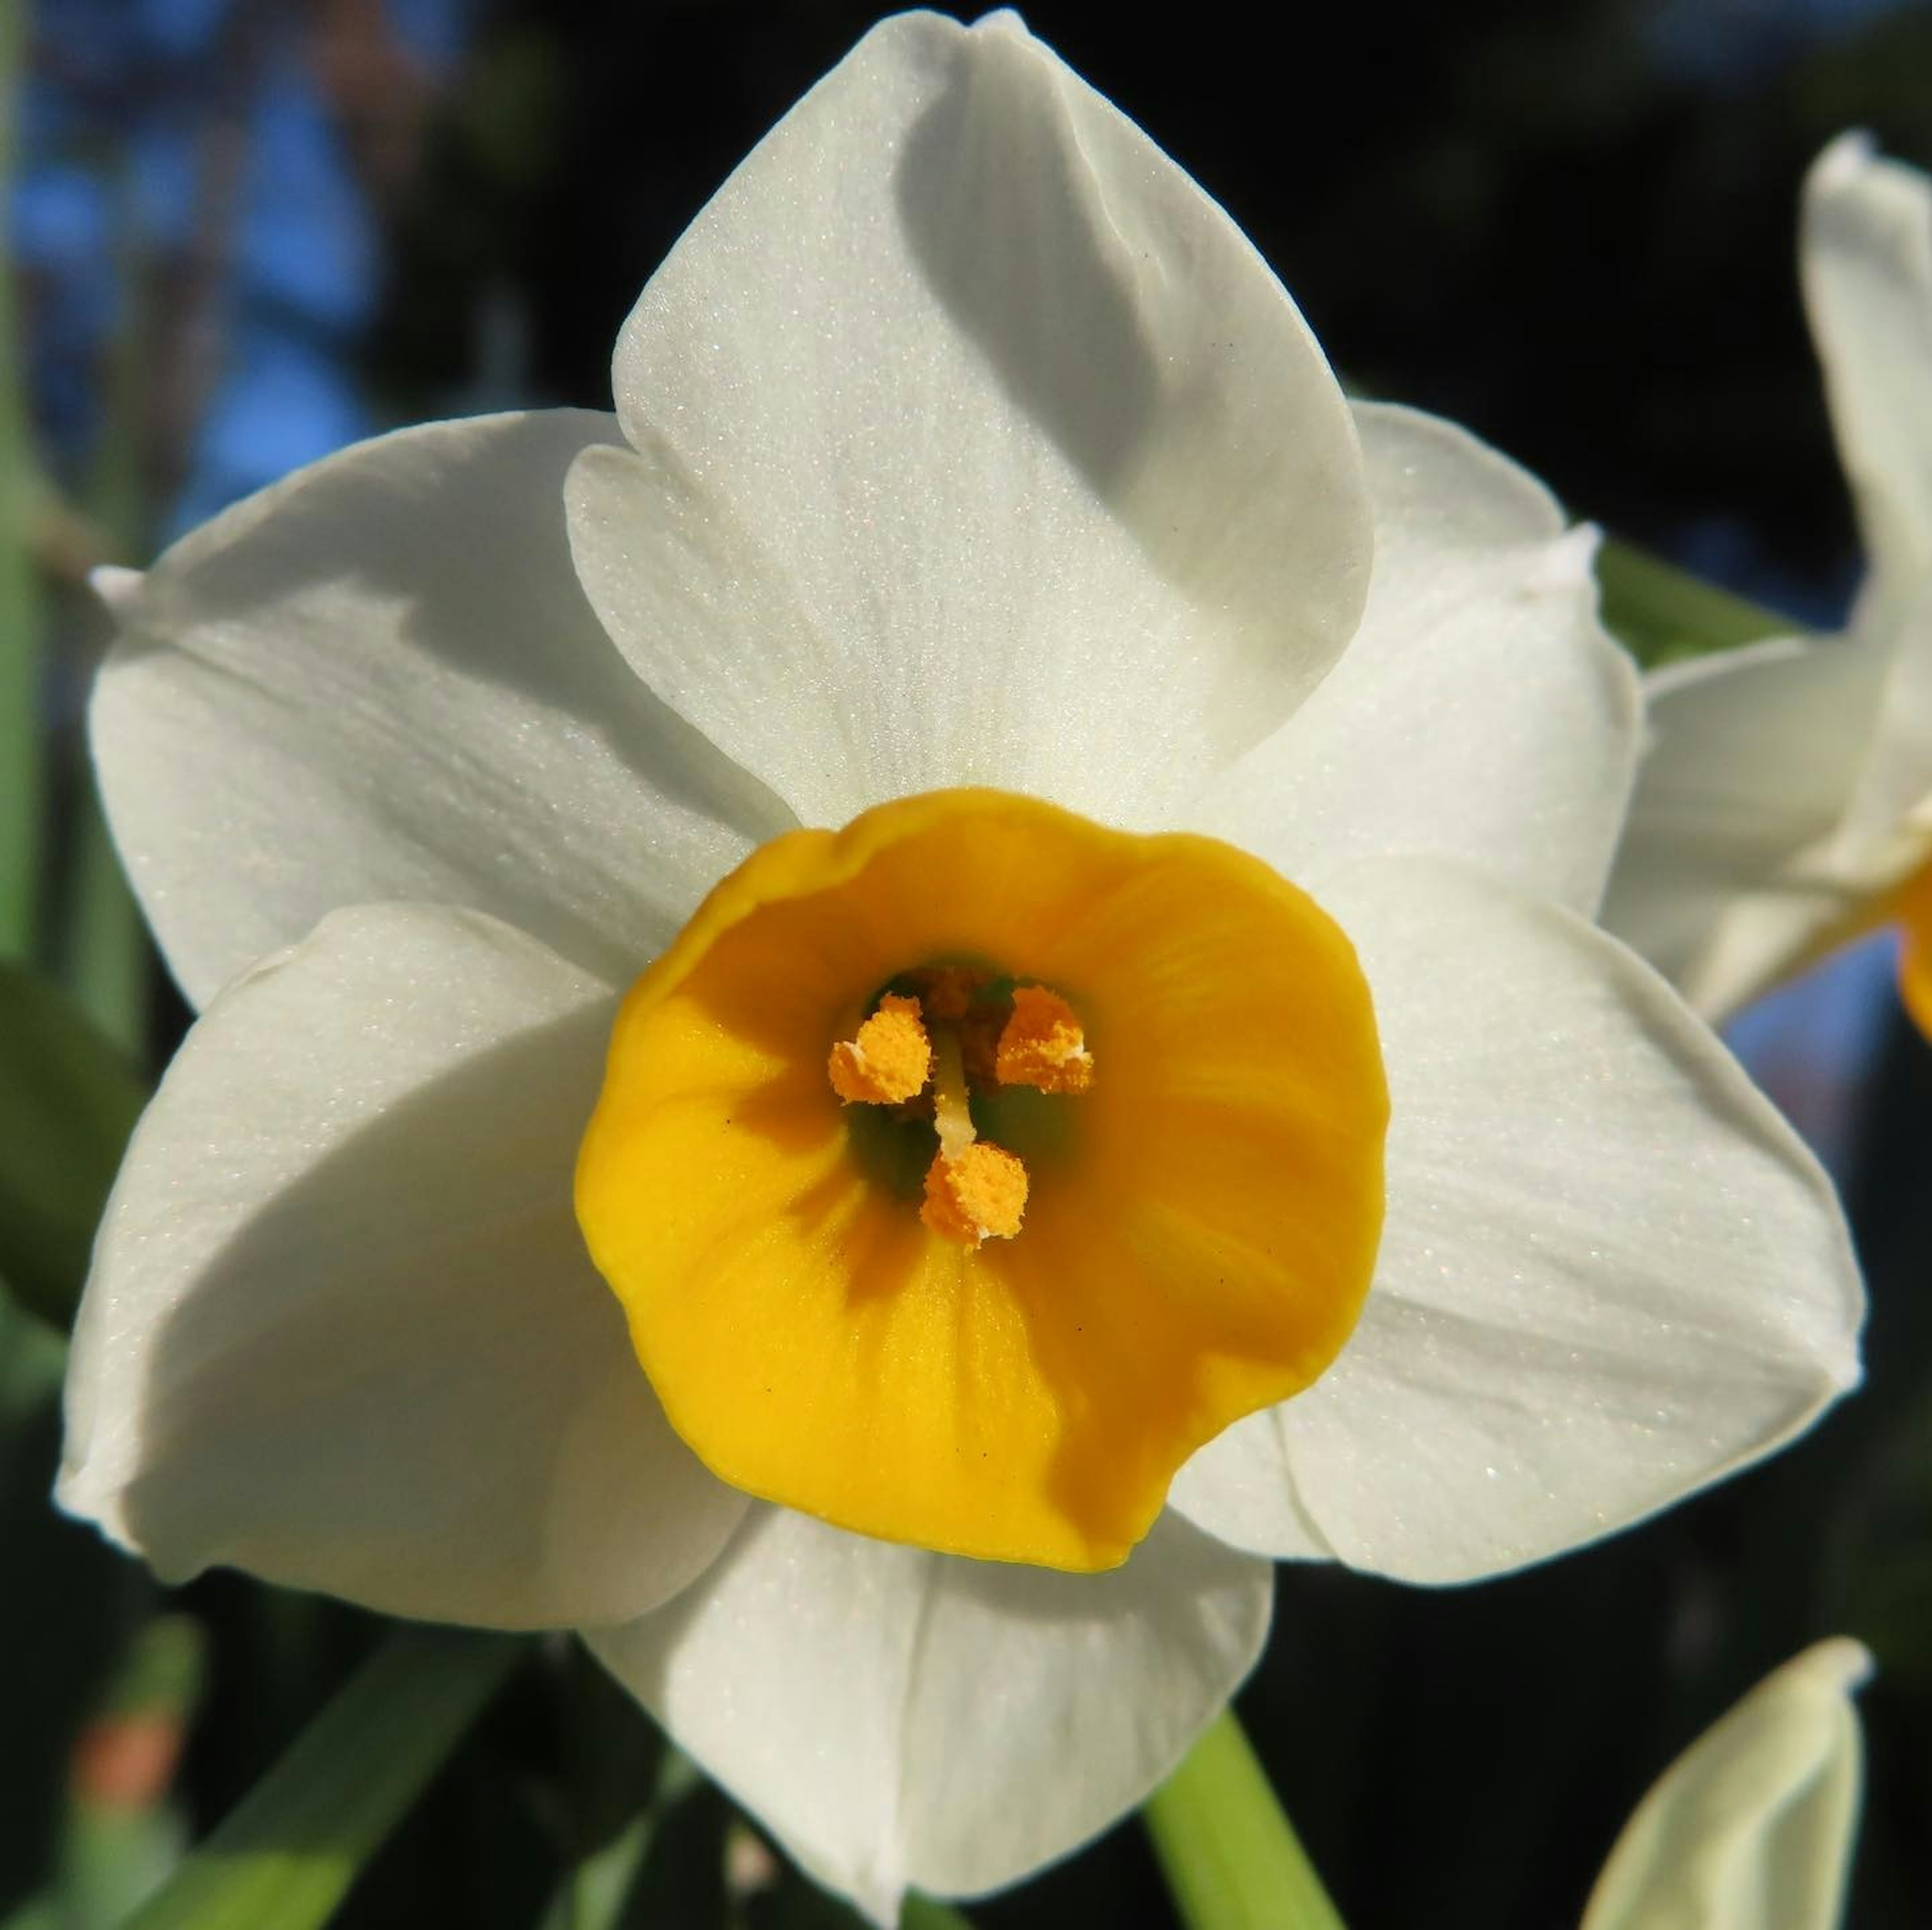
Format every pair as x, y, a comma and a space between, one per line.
286, 1856
22, 773
1231, 1857
926, 1912
1661, 612
104, 952
106, 948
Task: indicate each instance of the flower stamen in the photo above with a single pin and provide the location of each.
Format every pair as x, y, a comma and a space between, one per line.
888, 1061
838, 1304
974, 1191
1043, 1045
955, 1030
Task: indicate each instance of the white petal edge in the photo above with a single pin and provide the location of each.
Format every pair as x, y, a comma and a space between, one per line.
1726, 873
1865, 254
379, 680
1752, 1828
340, 1330
117, 587
1610, 1273
974, 443
901, 1719
1481, 711
1888, 824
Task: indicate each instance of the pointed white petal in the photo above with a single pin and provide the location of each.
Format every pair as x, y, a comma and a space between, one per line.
1609, 1274
898, 1718
975, 445
340, 1330
379, 680
1480, 713
1888, 822
1866, 256
1724, 876
1865, 251
1790, 782
1751, 1828
116, 586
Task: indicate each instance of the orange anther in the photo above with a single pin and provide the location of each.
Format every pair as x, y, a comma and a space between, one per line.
1043, 1045
978, 1193
889, 1059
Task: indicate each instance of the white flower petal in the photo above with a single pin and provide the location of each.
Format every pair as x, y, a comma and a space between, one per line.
117, 587
1609, 1274
1866, 254
1241, 1488
898, 1718
1724, 876
976, 444
1789, 785
379, 680
1887, 824
1481, 711
340, 1329
1751, 1828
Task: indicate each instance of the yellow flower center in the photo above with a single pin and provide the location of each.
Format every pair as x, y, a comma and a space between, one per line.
1023, 1035
962, 1171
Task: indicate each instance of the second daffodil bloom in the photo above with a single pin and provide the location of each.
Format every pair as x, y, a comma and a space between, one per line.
892, 1285
1785, 806
1752, 1828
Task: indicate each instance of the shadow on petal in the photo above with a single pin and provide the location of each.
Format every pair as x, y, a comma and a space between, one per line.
401, 1381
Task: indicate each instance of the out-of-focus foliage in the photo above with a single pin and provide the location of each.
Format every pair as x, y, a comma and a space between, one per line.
68, 1100
286, 1856
1661, 613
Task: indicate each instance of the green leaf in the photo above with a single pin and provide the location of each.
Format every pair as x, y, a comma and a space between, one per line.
124, 1831
594, 1895
21, 764
69, 1609
925, 1913
1662, 612
1231, 1857
68, 1100
104, 947
286, 1856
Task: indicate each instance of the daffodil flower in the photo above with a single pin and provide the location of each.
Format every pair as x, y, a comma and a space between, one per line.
892, 1286
1752, 1828
1785, 806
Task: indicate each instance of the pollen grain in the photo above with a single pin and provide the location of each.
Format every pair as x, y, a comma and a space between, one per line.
888, 1060
978, 1193
1043, 1045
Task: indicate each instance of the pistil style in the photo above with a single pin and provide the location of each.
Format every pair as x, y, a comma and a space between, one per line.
974, 1191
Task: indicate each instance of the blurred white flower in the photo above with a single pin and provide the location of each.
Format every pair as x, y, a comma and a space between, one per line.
1752, 1828
1785, 804
961, 441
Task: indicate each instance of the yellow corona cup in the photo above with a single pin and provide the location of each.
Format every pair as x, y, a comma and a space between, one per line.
1200, 1204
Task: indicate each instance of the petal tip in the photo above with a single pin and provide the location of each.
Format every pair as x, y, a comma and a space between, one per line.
1571, 557
1842, 161
1844, 1660
117, 587
83, 1494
